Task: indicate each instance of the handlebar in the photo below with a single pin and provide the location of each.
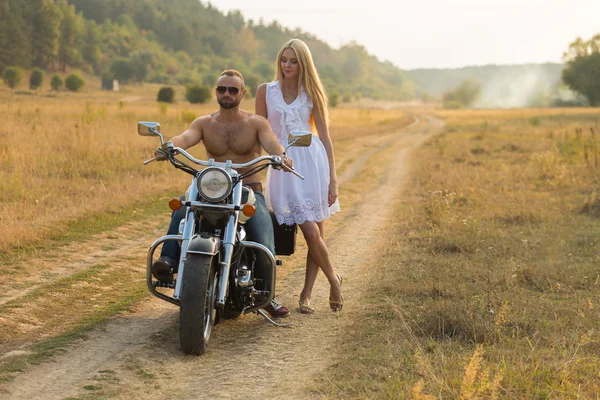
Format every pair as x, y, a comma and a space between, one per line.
150, 160
292, 170
212, 163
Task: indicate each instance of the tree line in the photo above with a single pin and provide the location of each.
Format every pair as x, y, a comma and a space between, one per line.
582, 71
177, 42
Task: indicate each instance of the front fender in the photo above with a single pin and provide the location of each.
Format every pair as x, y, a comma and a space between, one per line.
203, 245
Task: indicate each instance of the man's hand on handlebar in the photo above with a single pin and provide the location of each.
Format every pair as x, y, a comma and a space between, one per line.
161, 155
288, 162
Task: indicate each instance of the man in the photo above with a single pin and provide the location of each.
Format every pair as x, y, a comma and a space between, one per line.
236, 135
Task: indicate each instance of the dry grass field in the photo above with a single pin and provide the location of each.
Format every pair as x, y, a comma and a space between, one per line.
64, 155
488, 285
78, 206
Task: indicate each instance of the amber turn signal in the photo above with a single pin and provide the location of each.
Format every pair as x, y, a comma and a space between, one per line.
249, 210
175, 204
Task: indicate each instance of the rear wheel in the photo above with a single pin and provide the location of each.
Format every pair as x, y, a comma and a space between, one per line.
197, 312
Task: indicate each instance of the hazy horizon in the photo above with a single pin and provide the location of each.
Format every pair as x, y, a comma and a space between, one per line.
484, 65
434, 34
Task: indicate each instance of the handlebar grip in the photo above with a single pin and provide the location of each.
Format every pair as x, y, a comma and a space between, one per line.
150, 160
293, 171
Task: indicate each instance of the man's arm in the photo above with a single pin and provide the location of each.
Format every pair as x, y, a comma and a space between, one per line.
269, 141
190, 137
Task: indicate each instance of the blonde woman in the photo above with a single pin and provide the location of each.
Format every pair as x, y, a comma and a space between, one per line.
296, 101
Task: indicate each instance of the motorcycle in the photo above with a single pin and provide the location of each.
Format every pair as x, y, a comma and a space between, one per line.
216, 277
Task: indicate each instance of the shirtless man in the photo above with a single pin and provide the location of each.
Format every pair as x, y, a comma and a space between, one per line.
236, 135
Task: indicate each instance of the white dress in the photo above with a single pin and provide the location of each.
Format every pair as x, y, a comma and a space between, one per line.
292, 199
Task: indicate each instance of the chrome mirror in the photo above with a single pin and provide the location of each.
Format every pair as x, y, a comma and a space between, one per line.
148, 128
300, 139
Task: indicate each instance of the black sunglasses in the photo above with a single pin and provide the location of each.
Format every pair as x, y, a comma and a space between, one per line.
232, 90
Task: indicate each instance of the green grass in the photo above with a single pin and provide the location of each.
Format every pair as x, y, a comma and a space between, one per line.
92, 387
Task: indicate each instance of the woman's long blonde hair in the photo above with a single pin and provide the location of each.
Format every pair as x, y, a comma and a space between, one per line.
308, 76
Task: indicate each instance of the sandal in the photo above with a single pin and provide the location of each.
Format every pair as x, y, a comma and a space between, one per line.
337, 305
305, 308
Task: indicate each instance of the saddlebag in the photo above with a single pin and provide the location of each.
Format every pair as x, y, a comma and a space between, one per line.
285, 237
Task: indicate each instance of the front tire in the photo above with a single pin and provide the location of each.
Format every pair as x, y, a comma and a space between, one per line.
197, 303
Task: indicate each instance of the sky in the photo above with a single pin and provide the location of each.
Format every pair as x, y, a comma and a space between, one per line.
437, 33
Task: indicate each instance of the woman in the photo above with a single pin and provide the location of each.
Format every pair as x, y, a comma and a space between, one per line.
296, 101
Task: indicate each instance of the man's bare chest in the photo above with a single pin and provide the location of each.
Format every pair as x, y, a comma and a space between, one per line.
239, 139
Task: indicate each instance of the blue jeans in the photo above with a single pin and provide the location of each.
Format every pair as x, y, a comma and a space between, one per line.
259, 229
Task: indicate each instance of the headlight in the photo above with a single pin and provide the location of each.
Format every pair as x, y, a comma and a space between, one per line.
214, 184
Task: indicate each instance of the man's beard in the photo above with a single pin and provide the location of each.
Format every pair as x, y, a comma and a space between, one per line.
228, 105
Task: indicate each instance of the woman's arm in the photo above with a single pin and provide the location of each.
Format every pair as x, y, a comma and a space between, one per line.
323, 131
260, 101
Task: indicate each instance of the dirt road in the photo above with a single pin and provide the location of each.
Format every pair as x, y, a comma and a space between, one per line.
136, 355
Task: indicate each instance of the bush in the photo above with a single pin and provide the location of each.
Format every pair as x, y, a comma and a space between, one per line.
464, 94
57, 82
74, 82
36, 78
123, 70
197, 94
166, 94
453, 104
13, 76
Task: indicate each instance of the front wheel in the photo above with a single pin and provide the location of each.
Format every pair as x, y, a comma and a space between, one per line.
197, 313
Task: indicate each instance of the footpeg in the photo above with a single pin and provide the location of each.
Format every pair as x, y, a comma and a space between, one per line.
169, 285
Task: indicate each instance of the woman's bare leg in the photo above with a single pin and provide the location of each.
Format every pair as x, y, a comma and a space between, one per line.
312, 270
318, 255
